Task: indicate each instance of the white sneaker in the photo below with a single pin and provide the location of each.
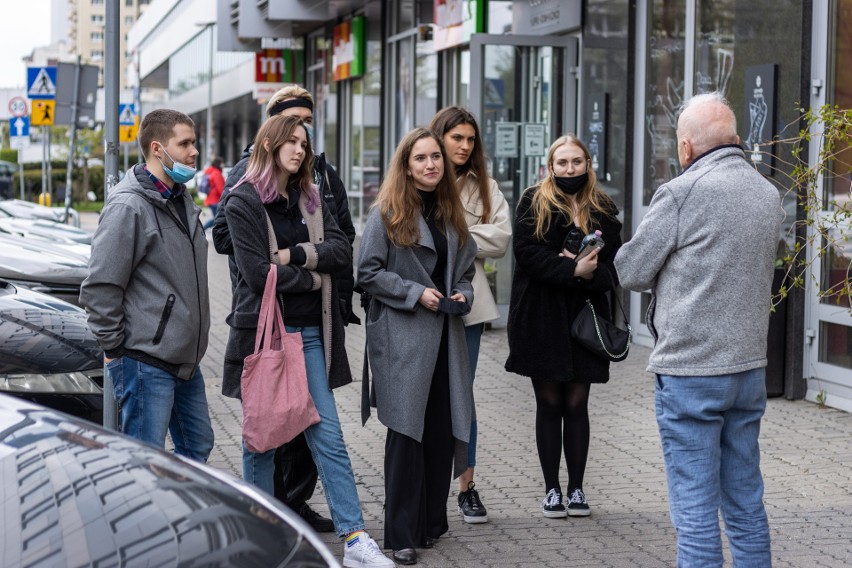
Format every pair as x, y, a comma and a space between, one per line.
362, 552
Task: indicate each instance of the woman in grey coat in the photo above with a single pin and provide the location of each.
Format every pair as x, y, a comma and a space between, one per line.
416, 261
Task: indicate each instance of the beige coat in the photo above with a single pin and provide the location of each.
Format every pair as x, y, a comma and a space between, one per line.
492, 241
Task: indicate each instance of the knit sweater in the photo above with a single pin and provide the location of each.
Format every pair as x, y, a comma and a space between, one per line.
706, 249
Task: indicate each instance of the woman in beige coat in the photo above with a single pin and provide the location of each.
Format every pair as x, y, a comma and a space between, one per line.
490, 224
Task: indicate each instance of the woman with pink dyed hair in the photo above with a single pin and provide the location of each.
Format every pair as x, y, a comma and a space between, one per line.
278, 186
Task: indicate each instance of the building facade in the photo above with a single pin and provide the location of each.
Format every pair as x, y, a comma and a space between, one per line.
613, 71
87, 31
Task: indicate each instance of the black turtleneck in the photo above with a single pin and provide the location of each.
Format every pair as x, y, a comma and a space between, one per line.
430, 206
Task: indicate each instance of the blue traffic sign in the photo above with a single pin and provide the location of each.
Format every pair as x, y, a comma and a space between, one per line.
126, 115
41, 82
19, 127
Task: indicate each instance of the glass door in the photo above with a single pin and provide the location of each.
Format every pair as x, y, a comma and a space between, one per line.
523, 91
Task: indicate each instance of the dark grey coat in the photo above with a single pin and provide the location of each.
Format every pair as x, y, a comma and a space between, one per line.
403, 337
328, 252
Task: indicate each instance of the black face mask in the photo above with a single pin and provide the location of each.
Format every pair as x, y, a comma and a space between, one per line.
572, 185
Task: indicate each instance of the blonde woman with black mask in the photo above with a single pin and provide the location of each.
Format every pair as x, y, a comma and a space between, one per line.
549, 288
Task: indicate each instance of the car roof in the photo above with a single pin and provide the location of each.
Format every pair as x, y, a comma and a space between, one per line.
77, 494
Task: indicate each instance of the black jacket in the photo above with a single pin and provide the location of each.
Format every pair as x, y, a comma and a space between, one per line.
334, 196
330, 252
546, 297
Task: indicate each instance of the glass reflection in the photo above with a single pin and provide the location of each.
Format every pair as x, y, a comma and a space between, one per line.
836, 268
664, 92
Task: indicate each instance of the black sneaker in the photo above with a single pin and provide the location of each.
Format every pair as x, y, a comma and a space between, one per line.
471, 507
317, 521
552, 506
577, 506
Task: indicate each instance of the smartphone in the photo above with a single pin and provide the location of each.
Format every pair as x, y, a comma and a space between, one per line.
594, 243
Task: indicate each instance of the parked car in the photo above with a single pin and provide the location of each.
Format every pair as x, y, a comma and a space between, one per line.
7, 170
43, 267
48, 229
75, 494
28, 210
48, 354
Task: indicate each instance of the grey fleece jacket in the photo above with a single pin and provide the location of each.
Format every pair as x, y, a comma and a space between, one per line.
146, 293
706, 249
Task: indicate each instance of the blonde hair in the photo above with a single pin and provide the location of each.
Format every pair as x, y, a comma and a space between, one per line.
399, 203
590, 198
288, 92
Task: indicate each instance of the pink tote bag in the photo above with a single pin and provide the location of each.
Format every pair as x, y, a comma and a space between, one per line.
277, 406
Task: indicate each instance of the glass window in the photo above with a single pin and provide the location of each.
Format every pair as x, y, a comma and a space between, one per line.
835, 344
403, 100
605, 66
97, 36
837, 186
97, 54
97, 2
836, 260
128, 20
664, 91
98, 19
426, 85
128, 2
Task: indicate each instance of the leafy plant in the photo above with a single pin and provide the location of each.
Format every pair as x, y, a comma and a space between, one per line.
819, 189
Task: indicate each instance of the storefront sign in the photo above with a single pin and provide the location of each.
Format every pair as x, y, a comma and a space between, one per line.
276, 66
597, 119
456, 21
760, 115
535, 138
262, 92
506, 140
536, 17
350, 55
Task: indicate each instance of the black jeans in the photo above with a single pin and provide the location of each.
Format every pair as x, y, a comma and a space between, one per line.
295, 474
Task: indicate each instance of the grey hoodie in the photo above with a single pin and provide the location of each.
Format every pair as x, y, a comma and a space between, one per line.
706, 248
146, 293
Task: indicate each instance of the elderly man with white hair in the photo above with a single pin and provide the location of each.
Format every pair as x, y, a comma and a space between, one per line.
706, 250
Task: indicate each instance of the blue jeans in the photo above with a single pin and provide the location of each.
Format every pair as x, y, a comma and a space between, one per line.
473, 336
709, 428
212, 219
153, 402
325, 439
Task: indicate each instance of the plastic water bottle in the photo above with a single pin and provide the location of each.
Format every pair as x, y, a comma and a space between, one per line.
588, 238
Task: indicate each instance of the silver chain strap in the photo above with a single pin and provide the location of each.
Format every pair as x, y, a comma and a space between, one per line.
600, 337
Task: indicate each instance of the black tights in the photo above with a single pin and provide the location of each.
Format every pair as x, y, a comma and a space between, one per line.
562, 418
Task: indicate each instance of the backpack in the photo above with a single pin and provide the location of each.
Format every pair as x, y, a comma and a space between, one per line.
204, 184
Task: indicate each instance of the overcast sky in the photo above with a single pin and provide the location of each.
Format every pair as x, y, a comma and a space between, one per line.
23, 26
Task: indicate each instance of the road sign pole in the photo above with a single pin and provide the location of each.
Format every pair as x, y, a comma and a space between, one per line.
21, 170
73, 136
43, 163
111, 74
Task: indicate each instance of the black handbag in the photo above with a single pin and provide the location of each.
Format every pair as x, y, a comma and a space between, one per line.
601, 336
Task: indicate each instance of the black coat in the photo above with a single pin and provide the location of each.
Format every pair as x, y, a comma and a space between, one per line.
246, 220
546, 297
334, 196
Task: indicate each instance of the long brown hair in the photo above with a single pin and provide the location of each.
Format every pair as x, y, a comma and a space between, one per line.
264, 170
400, 204
590, 198
447, 119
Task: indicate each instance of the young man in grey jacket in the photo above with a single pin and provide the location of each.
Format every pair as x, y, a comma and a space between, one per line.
706, 249
146, 293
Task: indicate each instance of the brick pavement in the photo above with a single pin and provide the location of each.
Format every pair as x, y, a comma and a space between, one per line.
806, 453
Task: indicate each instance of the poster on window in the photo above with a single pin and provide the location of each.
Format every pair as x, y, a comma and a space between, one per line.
456, 21
597, 117
760, 116
349, 56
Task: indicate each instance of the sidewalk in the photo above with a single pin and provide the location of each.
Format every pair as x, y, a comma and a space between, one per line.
807, 465
806, 454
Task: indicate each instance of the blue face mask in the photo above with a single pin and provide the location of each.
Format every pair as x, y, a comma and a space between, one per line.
181, 172
310, 130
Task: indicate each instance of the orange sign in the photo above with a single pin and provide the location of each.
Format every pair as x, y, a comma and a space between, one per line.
43, 112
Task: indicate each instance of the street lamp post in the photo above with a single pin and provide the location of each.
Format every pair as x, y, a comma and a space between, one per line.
208, 135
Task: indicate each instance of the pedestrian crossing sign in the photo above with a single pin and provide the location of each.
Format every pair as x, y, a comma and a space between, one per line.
41, 83
43, 112
126, 115
128, 133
